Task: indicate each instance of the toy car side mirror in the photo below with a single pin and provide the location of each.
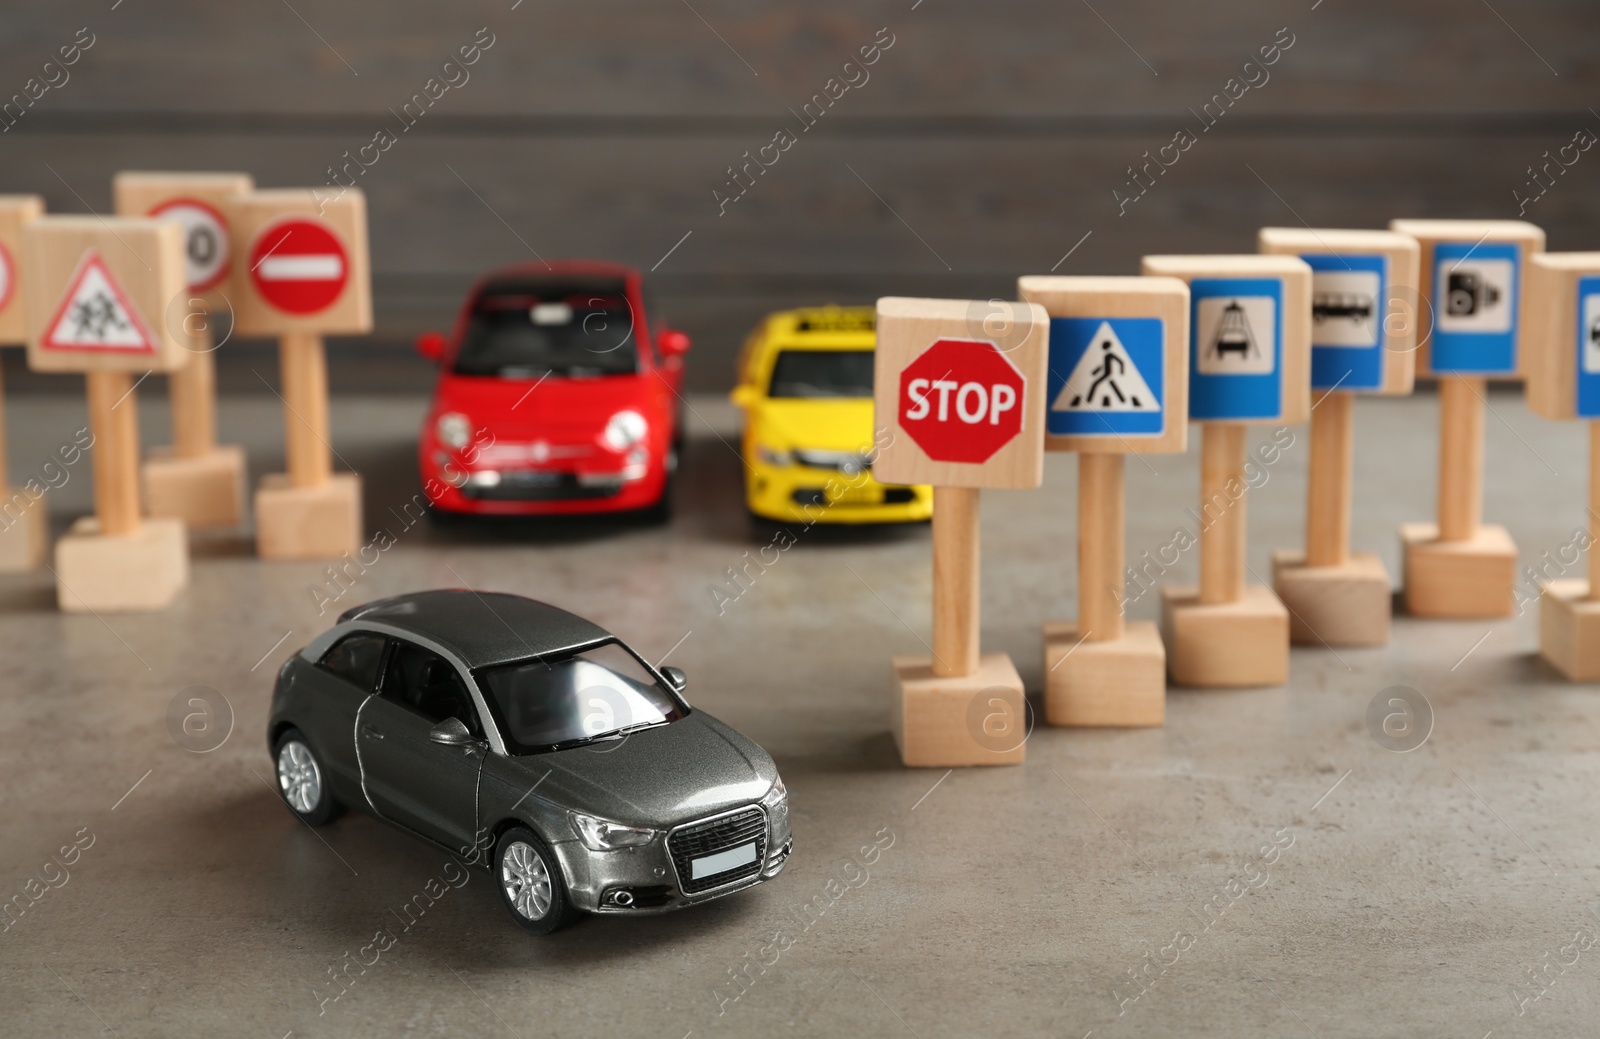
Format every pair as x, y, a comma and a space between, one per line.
675, 675
673, 343
452, 732
744, 395
431, 346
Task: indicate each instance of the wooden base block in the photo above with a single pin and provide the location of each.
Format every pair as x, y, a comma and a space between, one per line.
24, 532
1569, 629
106, 573
1471, 578
976, 719
319, 522
1345, 605
206, 492
1120, 681
1240, 643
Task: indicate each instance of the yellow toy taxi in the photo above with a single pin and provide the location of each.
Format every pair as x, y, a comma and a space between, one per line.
805, 386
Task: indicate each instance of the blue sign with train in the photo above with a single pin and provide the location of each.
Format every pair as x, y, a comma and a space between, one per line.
1235, 349
1348, 296
1588, 355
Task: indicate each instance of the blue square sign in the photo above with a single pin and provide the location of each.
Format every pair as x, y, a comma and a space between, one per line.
1588, 403
1106, 376
1475, 288
1348, 298
1235, 348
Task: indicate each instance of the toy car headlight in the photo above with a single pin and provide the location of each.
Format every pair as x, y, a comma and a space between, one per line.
453, 430
625, 429
603, 835
773, 456
779, 794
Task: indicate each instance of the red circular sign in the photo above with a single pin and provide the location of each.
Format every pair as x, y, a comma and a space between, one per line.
299, 265
961, 400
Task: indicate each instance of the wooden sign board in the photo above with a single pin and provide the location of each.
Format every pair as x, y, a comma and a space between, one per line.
960, 391
303, 263
15, 210
1365, 306
98, 290
1118, 379
1562, 355
1249, 335
197, 203
1472, 274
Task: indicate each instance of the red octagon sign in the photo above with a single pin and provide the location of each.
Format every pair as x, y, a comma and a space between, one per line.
961, 400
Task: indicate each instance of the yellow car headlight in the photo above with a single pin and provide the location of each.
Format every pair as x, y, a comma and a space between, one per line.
774, 456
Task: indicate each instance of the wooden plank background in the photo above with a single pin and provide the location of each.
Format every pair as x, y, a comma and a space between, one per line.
986, 143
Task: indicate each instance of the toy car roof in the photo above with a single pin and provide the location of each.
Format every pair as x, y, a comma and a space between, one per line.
482, 628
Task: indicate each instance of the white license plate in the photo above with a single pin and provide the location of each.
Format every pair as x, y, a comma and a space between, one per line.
722, 861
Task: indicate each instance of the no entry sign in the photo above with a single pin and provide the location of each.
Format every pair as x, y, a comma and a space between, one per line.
961, 400
299, 266
959, 392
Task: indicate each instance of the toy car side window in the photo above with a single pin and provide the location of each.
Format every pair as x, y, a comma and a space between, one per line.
356, 658
430, 685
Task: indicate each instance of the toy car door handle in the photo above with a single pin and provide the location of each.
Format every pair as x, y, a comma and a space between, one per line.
371, 733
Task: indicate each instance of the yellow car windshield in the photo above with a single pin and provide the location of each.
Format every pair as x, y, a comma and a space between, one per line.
821, 373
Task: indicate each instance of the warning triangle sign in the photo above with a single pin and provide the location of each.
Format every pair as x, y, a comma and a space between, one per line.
1105, 379
95, 314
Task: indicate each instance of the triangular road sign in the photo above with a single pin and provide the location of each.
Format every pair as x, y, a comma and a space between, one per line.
95, 314
1105, 379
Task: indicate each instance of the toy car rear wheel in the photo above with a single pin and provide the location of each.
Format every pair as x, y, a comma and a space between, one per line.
303, 781
530, 882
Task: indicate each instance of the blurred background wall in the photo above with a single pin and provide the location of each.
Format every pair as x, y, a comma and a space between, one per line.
984, 140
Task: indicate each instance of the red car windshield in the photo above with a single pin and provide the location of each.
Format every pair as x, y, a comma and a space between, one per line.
530, 329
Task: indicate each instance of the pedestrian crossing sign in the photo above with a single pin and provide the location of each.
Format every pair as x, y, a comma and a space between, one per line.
1107, 377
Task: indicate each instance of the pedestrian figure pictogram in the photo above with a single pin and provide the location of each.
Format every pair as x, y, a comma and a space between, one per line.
96, 315
1106, 379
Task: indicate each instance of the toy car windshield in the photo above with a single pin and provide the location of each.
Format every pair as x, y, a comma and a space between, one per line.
822, 373
600, 693
570, 328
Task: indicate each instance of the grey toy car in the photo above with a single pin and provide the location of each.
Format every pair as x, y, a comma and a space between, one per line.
531, 741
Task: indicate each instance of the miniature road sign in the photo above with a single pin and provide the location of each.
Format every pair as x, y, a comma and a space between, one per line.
196, 480
1250, 361
1118, 384
95, 315
1472, 276
24, 513
1563, 367
97, 289
299, 266
1363, 340
306, 274
961, 400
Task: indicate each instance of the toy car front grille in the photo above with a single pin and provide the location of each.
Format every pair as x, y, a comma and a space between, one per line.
539, 485
722, 833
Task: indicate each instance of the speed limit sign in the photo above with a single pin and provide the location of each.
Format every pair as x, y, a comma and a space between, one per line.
207, 250
196, 202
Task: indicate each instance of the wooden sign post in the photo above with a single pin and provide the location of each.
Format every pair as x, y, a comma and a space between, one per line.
195, 480
1363, 341
97, 289
1472, 274
1563, 370
1249, 364
1118, 384
961, 400
304, 273
24, 514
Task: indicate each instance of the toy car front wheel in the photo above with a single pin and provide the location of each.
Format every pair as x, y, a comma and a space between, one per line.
530, 882
302, 781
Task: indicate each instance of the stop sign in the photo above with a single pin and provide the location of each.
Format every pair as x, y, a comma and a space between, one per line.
961, 400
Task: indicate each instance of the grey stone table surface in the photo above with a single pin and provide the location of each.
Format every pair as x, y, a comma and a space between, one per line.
1259, 866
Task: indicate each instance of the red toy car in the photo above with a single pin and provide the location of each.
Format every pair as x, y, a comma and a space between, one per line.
557, 393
